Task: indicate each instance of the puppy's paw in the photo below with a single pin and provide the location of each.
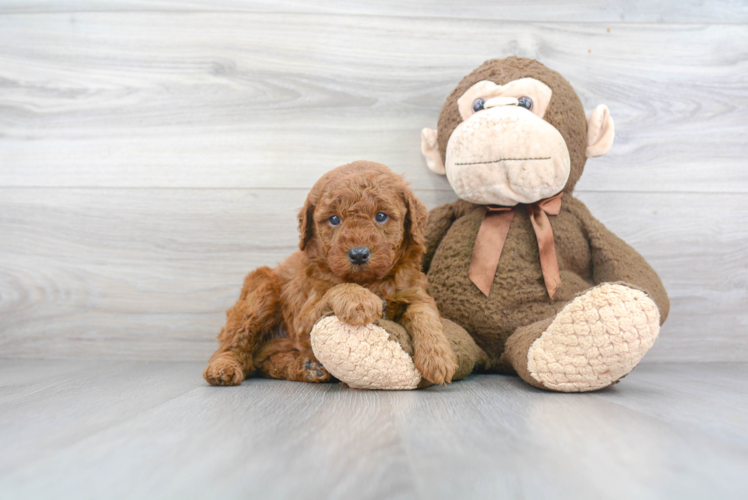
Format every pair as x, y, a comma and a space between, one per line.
224, 371
314, 372
436, 360
357, 306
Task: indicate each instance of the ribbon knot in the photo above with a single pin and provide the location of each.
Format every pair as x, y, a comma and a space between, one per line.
492, 236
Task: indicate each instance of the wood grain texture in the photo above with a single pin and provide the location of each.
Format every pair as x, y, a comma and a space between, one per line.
153, 153
638, 11
156, 430
133, 273
147, 273
274, 100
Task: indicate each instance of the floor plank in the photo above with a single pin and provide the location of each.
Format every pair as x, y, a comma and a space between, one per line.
169, 99
690, 11
687, 395
530, 444
156, 430
89, 396
147, 274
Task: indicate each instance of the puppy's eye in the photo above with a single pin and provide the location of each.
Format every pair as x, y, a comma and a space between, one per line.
525, 102
478, 104
381, 217
334, 220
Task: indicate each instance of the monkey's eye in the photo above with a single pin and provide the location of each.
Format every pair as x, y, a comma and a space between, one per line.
381, 217
525, 102
334, 220
478, 104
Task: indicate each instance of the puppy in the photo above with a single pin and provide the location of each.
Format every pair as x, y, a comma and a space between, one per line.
362, 237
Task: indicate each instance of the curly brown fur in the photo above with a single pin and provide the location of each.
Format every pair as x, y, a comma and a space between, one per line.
320, 280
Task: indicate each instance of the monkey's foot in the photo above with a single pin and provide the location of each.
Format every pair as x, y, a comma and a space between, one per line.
595, 340
363, 357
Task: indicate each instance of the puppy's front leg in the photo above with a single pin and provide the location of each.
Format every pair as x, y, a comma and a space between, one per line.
433, 356
256, 312
352, 304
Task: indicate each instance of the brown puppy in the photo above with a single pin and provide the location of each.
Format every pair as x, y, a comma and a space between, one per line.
362, 238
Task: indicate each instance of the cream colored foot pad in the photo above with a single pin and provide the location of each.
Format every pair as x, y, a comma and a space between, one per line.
363, 356
595, 340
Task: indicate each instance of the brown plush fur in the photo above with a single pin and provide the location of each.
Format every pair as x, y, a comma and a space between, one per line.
588, 254
267, 330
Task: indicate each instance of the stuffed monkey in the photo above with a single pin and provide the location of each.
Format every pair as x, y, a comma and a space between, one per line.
544, 288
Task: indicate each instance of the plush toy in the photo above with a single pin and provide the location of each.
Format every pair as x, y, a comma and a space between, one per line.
379, 355
545, 289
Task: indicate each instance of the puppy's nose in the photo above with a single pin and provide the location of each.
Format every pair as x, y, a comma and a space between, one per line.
359, 255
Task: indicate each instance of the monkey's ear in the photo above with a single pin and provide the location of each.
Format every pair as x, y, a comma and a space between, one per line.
430, 151
600, 132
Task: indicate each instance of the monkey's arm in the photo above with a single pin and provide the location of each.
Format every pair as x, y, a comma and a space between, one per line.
440, 220
613, 260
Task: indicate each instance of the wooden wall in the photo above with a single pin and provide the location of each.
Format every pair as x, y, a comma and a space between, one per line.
151, 153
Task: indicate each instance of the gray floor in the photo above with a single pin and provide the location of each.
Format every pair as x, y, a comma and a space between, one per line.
72, 429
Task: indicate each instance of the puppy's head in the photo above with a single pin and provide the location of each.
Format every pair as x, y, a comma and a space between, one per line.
360, 220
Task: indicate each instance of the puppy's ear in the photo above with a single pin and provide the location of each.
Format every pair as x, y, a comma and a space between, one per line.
415, 220
306, 219
306, 214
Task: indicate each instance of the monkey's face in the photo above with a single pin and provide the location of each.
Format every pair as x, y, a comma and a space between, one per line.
514, 131
504, 152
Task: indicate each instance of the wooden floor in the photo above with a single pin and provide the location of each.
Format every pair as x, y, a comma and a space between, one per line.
134, 429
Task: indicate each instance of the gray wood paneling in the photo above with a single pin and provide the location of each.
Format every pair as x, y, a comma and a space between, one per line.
134, 272
275, 100
636, 11
153, 153
156, 430
147, 273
